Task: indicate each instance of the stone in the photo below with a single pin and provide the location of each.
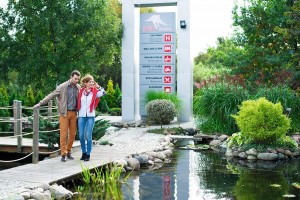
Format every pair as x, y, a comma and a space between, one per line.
267, 156
26, 195
120, 163
242, 155
142, 158
37, 195
59, 192
133, 163
161, 156
288, 153
252, 152
251, 157
150, 162
215, 143
168, 153
223, 137
281, 156
157, 160
280, 150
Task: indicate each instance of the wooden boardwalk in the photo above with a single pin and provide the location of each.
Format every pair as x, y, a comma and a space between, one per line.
125, 142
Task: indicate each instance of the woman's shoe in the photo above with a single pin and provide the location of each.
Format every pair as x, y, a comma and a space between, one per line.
83, 156
87, 157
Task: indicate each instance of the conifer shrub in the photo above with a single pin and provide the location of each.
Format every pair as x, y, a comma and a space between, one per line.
110, 94
262, 122
4, 102
161, 111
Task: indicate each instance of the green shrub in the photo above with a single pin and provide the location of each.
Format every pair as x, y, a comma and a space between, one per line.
262, 121
110, 94
203, 72
115, 112
161, 111
288, 99
118, 96
50, 138
103, 107
287, 142
153, 95
214, 105
4, 102
100, 128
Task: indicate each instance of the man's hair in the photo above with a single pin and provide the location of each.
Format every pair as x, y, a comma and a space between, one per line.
75, 72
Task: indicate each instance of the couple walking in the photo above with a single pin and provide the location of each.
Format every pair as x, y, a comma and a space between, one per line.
73, 99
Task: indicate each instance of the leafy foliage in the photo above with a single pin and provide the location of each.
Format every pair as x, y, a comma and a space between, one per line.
266, 50
161, 111
153, 95
71, 35
262, 121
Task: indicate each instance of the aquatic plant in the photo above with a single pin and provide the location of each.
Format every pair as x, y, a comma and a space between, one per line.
102, 183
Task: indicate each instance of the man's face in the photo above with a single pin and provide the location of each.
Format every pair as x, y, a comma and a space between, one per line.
75, 79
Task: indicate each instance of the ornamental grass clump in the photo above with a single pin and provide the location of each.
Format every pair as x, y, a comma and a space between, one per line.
161, 111
262, 122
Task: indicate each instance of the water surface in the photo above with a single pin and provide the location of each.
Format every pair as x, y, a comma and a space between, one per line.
209, 175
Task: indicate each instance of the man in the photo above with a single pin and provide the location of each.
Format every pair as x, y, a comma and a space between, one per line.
67, 94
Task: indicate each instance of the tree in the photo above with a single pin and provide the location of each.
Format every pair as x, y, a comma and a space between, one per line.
267, 51
49, 39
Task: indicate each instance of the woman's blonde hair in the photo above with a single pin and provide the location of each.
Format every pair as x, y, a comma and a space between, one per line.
86, 79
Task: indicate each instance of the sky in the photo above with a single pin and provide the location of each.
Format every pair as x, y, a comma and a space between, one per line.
210, 19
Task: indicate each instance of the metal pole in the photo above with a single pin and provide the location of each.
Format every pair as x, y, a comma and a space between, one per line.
35, 138
18, 124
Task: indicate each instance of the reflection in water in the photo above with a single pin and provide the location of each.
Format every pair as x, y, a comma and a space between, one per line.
208, 176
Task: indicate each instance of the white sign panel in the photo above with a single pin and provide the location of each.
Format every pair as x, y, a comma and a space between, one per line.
157, 54
157, 69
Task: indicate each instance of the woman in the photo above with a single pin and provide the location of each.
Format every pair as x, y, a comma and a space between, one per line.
88, 99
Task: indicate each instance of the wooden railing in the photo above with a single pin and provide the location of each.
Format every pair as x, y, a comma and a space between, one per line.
17, 122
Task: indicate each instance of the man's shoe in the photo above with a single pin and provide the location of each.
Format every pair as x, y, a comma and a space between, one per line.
63, 159
87, 158
83, 156
70, 157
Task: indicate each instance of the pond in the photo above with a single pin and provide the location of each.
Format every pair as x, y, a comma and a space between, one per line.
208, 175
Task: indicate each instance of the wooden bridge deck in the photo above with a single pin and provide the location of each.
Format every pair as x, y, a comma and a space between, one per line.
126, 142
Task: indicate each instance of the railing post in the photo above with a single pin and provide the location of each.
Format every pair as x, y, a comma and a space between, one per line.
50, 104
18, 124
35, 138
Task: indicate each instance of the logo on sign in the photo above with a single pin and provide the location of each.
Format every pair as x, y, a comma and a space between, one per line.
167, 79
167, 69
167, 58
167, 89
168, 38
167, 48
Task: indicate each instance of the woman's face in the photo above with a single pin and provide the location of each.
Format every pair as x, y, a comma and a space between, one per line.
90, 84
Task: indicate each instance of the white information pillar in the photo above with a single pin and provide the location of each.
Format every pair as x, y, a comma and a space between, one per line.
184, 62
130, 57
130, 62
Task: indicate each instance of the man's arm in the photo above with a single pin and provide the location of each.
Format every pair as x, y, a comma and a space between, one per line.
49, 97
